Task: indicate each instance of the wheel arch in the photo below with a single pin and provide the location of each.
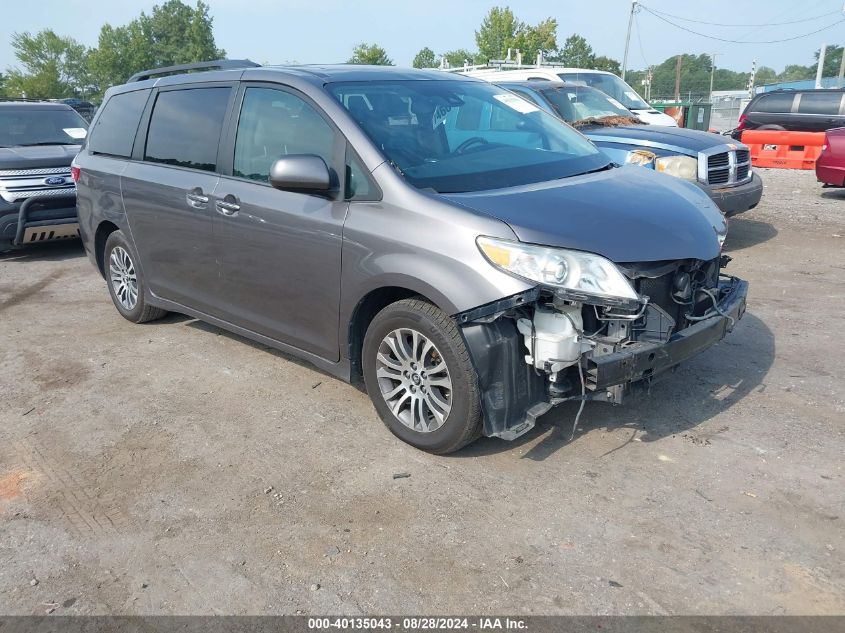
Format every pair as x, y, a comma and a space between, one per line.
368, 307
104, 229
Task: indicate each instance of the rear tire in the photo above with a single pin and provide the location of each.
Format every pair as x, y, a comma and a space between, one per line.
418, 374
125, 282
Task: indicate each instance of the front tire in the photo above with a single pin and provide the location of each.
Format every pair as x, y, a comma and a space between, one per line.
418, 374
126, 285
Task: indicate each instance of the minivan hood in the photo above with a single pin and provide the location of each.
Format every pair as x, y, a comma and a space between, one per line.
626, 215
37, 156
670, 138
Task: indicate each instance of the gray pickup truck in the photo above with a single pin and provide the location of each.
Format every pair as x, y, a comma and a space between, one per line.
37, 192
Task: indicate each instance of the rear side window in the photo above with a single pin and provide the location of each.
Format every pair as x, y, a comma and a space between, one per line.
775, 103
820, 103
117, 124
185, 127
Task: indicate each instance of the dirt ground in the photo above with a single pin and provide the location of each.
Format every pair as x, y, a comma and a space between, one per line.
172, 468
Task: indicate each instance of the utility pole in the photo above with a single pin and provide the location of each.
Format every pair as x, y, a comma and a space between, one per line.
820, 69
628, 38
841, 70
751, 79
678, 78
712, 72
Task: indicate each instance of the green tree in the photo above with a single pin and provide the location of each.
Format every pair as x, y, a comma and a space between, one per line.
52, 67
425, 59
541, 38
497, 33
796, 72
576, 52
832, 60
174, 33
501, 30
370, 54
2, 86
607, 63
765, 75
459, 57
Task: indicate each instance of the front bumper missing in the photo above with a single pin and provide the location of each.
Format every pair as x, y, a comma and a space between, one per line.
642, 361
514, 394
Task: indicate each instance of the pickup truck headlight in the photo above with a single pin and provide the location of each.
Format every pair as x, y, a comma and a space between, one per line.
641, 157
685, 167
577, 275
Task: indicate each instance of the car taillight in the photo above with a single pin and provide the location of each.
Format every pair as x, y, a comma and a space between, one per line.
741, 125
74, 173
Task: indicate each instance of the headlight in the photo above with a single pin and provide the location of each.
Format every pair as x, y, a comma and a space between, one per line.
576, 275
685, 167
641, 157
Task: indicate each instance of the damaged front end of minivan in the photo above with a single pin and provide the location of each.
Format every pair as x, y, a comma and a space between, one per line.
590, 329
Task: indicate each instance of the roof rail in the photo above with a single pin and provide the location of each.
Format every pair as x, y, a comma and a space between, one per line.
217, 64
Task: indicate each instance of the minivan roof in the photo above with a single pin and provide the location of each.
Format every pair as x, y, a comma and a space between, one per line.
319, 73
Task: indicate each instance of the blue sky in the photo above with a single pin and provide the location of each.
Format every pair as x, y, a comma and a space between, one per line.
313, 31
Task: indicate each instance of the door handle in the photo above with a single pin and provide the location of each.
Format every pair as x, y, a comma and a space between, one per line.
228, 205
196, 198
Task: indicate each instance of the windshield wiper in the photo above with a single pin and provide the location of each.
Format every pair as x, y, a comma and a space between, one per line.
598, 169
45, 143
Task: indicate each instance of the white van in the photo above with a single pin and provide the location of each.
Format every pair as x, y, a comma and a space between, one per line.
607, 82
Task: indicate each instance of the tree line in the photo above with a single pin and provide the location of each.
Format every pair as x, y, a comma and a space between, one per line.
51, 65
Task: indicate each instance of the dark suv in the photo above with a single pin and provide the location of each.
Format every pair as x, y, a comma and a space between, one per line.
794, 110
37, 194
473, 278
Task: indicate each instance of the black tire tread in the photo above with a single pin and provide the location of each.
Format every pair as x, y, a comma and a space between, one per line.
147, 312
449, 328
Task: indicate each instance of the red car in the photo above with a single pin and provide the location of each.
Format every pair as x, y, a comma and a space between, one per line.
830, 166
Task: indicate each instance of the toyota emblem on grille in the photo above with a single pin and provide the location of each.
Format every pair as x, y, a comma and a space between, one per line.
54, 180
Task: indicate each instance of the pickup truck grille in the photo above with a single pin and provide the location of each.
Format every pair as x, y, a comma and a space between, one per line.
731, 167
19, 184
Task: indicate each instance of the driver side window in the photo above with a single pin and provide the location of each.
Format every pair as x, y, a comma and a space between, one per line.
274, 123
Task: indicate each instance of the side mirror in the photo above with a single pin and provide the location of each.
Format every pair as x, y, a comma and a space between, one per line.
306, 173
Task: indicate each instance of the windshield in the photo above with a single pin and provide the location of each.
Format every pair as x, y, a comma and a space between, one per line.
21, 126
576, 103
455, 136
610, 85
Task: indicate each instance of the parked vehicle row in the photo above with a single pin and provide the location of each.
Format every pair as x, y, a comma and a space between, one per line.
470, 257
37, 194
607, 82
720, 169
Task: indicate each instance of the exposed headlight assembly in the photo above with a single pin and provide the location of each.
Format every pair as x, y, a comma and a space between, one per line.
641, 157
574, 275
685, 167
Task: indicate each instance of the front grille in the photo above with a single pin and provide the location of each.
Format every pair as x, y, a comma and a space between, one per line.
19, 184
718, 160
730, 167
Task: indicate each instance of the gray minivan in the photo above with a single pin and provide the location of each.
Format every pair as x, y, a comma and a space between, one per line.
473, 281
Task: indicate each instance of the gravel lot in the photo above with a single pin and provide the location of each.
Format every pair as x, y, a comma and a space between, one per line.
174, 468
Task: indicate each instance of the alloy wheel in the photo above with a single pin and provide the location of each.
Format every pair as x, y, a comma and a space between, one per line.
124, 280
414, 380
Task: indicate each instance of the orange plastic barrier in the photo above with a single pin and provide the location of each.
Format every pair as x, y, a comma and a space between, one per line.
782, 149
